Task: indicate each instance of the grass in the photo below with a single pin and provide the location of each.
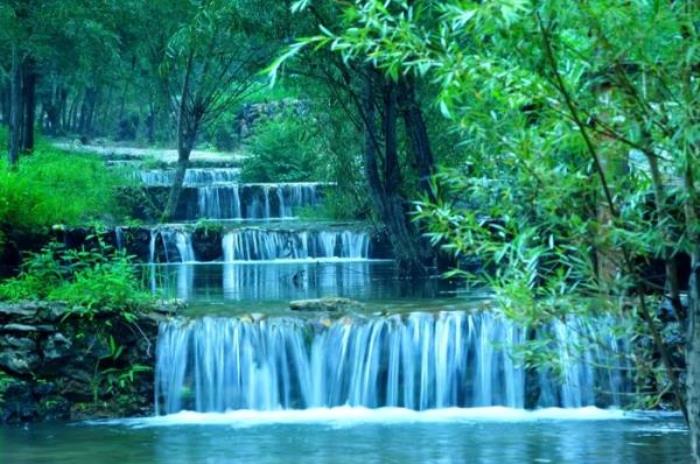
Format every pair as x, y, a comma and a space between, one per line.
52, 186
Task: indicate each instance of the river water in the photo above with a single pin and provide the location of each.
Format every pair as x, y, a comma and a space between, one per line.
490, 435
428, 376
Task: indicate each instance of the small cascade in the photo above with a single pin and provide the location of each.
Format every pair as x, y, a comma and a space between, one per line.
171, 246
255, 201
119, 238
417, 361
193, 176
261, 244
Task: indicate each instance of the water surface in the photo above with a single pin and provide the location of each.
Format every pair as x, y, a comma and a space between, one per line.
365, 437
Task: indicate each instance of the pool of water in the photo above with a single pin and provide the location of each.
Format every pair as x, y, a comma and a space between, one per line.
344, 435
280, 281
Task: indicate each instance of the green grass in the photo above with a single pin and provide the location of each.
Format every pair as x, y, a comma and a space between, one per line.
90, 280
52, 186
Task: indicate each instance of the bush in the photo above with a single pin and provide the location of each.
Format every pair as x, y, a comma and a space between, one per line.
284, 149
99, 279
56, 187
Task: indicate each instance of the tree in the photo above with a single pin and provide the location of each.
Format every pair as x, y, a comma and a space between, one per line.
559, 91
378, 101
211, 65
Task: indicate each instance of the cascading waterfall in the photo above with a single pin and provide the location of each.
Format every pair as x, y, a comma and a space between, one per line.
193, 176
263, 244
417, 361
226, 200
176, 245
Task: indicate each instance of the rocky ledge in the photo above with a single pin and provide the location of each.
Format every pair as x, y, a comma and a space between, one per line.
56, 364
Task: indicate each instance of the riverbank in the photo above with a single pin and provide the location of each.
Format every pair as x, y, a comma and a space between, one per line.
57, 365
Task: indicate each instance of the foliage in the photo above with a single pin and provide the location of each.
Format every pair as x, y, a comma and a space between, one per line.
92, 281
56, 187
579, 134
285, 148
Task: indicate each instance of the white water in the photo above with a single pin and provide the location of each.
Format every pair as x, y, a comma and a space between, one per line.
262, 244
348, 416
193, 176
227, 200
176, 244
420, 361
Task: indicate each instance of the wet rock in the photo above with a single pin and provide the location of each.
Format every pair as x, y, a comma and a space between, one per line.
26, 328
18, 355
56, 347
18, 403
332, 304
50, 363
207, 244
19, 313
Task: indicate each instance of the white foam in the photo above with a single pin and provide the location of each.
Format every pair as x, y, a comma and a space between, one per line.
348, 416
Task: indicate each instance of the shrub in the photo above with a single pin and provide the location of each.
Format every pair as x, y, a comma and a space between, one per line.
284, 149
57, 187
93, 280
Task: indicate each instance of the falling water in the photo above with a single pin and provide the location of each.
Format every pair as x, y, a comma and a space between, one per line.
119, 238
262, 244
417, 361
176, 245
193, 176
226, 200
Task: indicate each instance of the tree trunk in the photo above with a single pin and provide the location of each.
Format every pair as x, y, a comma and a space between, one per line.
693, 344
5, 102
385, 193
187, 126
15, 109
693, 354
29, 103
417, 134
184, 149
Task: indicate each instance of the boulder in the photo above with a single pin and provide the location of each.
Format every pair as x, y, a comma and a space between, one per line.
56, 347
330, 304
18, 355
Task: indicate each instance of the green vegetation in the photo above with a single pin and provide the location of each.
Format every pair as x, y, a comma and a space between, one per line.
556, 141
56, 187
286, 148
91, 281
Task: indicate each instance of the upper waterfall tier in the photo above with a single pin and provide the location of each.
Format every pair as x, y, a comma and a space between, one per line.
193, 176
231, 200
260, 244
419, 361
172, 244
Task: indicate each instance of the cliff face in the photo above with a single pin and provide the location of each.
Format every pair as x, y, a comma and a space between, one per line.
57, 364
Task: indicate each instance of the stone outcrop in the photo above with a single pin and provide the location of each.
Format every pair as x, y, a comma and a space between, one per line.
330, 304
57, 365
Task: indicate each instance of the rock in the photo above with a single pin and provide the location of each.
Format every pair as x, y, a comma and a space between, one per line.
56, 347
45, 373
17, 402
325, 304
25, 328
25, 312
19, 361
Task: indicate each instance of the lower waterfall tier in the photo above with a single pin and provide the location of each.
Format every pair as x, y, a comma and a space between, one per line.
418, 361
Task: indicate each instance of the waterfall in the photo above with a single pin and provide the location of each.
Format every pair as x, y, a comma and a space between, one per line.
218, 201
262, 244
119, 238
193, 176
176, 245
417, 361
228, 200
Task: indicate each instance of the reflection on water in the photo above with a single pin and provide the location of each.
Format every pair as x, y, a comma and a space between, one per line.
651, 440
287, 280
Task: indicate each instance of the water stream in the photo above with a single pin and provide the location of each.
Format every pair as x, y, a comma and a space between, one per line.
415, 375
